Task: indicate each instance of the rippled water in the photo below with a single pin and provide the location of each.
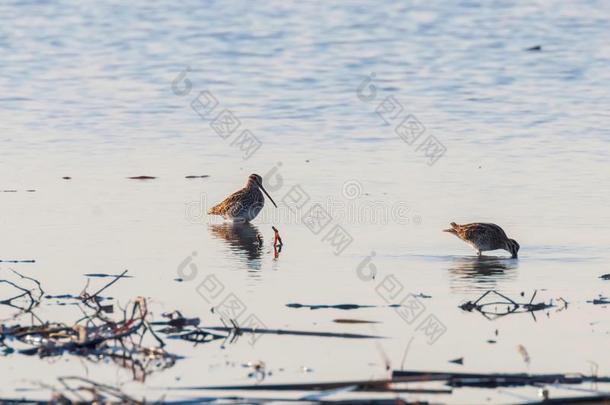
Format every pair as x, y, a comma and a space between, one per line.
87, 93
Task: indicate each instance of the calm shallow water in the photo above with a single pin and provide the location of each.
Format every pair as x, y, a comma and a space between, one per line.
87, 93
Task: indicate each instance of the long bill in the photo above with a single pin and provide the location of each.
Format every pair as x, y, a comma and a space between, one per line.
267, 194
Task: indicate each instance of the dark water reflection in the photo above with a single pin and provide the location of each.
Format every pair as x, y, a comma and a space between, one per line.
243, 240
481, 273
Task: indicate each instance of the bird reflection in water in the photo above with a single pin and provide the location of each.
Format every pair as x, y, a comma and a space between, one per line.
481, 273
244, 239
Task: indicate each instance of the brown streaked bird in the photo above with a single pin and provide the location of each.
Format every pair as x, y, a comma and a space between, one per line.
245, 204
482, 237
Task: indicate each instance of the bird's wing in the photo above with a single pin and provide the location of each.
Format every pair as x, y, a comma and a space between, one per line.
232, 202
482, 231
496, 229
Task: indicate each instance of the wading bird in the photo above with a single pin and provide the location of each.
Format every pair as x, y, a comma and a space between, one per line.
245, 204
484, 237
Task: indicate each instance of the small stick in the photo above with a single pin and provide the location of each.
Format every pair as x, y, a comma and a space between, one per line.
482, 296
154, 334
404, 356
506, 298
41, 291
106, 286
533, 296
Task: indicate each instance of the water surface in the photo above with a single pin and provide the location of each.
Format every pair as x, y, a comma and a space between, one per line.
87, 93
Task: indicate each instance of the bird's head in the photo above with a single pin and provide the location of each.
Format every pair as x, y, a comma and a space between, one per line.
255, 180
513, 247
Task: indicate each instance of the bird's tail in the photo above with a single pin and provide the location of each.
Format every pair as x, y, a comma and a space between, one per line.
453, 228
215, 210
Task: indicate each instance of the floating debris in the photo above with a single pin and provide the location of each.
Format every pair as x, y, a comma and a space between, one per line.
259, 370
87, 297
459, 361
355, 321
177, 321
94, 336
64, 297
494, 380
142, 178
605, 276
17, 261
524, 354
564, 302
197, 336
384, 385
345, 307
29, 297
67, 178
203, 176
104, 275
238, 331
14, 191
601, 300
504, 307
79, 390
536, 48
